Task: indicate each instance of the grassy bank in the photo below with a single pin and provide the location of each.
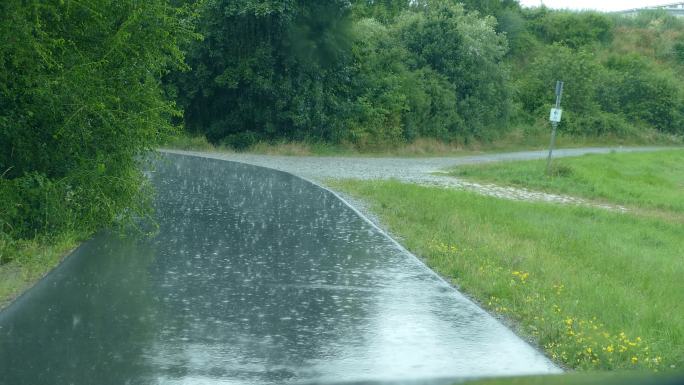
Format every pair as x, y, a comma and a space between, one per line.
652, 180
595, 289
24, 262
587, 379
519, 139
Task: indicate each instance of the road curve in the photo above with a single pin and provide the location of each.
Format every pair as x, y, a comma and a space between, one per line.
424, 171
409, 169
254, 277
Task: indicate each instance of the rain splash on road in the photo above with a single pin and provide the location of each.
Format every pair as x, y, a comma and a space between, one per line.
255, 277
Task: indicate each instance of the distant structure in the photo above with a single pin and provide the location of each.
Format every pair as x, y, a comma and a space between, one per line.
676, 9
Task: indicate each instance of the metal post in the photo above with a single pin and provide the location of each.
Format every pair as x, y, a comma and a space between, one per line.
554, 124
553, 143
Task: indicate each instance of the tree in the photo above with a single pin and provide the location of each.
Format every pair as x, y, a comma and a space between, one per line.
573, 29
266, 69
80, 101
644, 93
466, 49
580, 71
384, 11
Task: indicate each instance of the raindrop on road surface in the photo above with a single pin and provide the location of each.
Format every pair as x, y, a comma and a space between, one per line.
255, 277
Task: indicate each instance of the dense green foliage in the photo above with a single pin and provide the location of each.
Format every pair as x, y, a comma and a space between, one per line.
382, 72
622, 74
80, 101
324, 71
81, 93
265, 68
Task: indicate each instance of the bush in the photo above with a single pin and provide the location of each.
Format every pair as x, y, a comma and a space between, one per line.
273, 68
597, 124
578, 69
432, 108
520, 39
80, 101
311, 71
678, 52
573, 29
643, 92
466, 49
390, 107
241, 140
658, 19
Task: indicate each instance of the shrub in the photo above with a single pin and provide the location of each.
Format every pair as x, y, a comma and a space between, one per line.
678, 52
573, 29
80, 101
578, 69
466, 49
596, 124
643, 92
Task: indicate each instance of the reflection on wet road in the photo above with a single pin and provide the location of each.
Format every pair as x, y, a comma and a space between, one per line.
255, 277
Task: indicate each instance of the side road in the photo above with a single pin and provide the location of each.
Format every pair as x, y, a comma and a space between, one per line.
424, 171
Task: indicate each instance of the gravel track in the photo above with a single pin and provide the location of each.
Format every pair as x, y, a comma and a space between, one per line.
423, 171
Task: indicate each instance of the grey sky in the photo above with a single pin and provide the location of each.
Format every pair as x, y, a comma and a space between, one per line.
610, 5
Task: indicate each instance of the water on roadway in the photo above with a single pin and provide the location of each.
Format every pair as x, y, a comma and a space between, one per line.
255, 277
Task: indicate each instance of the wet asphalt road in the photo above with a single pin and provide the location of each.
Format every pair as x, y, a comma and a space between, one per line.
417, 170
423, 171
254, 277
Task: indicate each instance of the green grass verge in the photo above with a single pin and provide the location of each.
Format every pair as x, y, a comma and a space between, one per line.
23, 262
596, 289
653, 180
608, 378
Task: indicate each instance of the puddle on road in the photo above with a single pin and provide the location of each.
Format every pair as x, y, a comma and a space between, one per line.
255, 277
